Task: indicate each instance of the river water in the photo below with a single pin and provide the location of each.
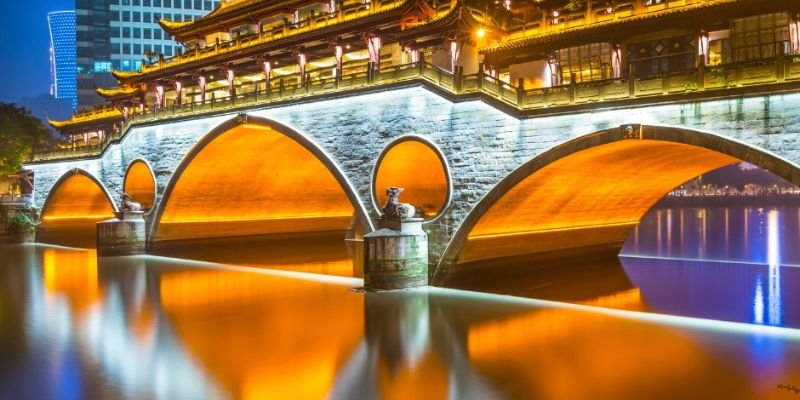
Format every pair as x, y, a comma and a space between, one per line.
288, 322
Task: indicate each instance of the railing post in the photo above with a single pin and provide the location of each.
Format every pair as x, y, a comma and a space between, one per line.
573, 86
307, 82
281, 88
520, 91
457, 77
480, 76
256, 92
421, 64
780, 65
700, 82
631, 81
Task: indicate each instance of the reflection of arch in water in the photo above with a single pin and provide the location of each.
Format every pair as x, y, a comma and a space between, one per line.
253, 176
590, 192
418, 165
140, 183
75, 204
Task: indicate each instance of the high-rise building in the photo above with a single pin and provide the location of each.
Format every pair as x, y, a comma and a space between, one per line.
63, 68
119, 34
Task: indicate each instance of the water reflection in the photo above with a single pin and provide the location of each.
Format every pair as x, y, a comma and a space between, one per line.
321, 253
148, 327
730, 263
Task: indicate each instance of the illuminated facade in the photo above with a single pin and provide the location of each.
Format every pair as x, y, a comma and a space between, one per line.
119, 34
523, 122
63, 68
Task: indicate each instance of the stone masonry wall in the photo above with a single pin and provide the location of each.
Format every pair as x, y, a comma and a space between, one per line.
482, 145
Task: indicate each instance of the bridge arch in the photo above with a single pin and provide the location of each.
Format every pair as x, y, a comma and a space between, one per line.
254, 176
140, 183
590, 191
417, 164
76, 202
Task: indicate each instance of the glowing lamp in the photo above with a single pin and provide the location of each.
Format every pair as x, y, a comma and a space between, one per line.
480, 33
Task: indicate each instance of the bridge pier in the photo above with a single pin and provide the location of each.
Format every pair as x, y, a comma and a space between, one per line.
124, 235
396, 255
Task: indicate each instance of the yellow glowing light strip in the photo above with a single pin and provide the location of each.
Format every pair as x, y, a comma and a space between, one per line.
307, 276
573, 228
58, 217
660, 319
282, 218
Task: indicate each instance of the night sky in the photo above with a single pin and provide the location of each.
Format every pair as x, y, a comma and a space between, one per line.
24, 68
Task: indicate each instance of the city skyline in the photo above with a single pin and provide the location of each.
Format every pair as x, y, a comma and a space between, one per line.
25, 71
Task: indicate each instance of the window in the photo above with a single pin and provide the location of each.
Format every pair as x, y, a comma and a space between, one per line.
187, 4
168, 3
114, 16
126, 65
177, 18
168, 51
198, 4
126, 48
760, 36
102, 66
137, 16
138, 65
178, 50
157, 3
115, 32
126, 32
116, 48
137, 33
147, 17
207, 5
591, 62
146, 3
126, 16
157, 49
137, 48
148, 33
187, 17
658, 57
157, 34
137, 2
148, 48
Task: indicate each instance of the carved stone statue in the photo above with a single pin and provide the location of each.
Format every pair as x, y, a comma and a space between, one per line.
129, 205
394, 209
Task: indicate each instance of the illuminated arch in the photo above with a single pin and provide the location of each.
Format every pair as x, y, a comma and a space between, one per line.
253, 176
77, 201
416, 164
591, 191
140, 183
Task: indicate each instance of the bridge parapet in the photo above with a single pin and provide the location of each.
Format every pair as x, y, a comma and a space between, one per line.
768, 76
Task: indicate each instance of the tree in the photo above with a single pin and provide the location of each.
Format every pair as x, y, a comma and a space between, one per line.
20, 133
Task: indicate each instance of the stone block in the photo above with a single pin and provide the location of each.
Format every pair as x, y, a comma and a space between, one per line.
396, 256
124, 235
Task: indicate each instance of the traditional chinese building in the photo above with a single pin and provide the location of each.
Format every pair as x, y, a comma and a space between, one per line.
532, 53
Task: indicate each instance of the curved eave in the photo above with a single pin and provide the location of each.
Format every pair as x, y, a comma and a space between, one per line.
594, 28
172, 27
213, 18
77, 121
124, 75
116, 93
459, 13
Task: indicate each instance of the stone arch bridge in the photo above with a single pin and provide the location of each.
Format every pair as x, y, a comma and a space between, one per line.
491, 185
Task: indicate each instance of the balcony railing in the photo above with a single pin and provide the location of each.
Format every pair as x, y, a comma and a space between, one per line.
711, 81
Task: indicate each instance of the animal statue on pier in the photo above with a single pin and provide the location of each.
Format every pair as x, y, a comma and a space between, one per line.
394, 209
130, 205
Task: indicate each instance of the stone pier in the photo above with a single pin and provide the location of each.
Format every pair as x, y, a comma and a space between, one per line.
124, 235
396, 255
